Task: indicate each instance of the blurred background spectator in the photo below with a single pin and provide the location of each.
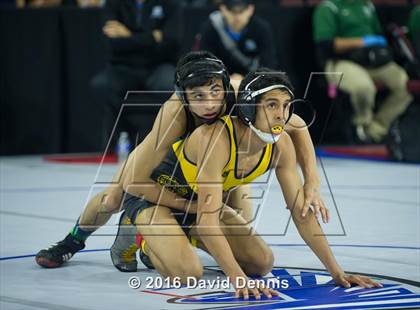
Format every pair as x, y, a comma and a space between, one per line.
242, 40
144, 36
414, 29
37, 3
60, 54
51, 3
349, 39
88, 3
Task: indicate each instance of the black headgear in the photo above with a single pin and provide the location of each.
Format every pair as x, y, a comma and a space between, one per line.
247, 100
204, 67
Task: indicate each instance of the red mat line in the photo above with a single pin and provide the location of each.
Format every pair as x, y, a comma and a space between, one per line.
82, 158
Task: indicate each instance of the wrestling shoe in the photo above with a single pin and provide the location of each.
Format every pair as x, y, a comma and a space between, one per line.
123, 251
59, 253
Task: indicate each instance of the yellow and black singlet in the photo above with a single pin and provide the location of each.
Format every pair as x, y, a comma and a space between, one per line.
179, 174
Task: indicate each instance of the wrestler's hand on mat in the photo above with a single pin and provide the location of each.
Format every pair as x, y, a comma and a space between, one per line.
347, 280
314, 202
255, 289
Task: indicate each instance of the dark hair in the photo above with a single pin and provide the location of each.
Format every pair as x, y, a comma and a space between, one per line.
199, 63
231, 4
268, 77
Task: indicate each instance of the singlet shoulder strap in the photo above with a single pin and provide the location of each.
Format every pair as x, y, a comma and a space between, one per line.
270, 149
227, 120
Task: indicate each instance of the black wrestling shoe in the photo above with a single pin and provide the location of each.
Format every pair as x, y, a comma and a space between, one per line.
56, 255
124, 248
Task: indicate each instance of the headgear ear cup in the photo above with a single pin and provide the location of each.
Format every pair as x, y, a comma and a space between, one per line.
179, 91
230, 99
247, 110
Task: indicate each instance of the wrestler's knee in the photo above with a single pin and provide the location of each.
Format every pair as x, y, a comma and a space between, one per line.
185, 269
111, 200
266, 261
260, 261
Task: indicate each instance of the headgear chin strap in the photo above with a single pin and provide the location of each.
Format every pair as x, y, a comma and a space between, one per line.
268, 138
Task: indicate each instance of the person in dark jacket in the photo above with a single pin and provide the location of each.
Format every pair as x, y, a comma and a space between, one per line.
144, 40
240, 39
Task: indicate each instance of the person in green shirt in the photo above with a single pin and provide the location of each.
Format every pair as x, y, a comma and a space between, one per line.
414, 29
342, 28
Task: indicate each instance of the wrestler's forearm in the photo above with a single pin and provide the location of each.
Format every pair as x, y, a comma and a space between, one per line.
208, 227
314, 237
155, 193
305, 154
148, 155
307, 226
305, 151
216, 244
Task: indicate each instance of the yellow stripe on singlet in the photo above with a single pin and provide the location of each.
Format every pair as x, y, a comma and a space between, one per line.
229, 174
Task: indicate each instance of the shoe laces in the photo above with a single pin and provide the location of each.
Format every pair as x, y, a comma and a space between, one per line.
59, 249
